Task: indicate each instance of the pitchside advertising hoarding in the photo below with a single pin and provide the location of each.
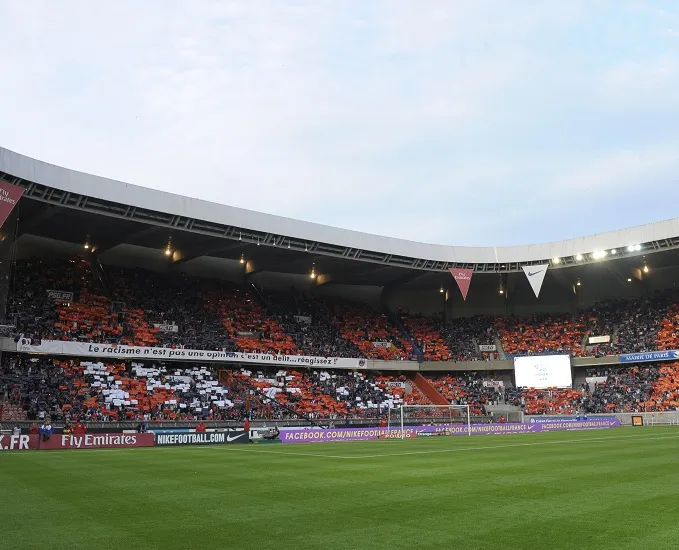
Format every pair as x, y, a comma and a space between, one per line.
88, 441
207, 438
119, 440
359, 434
295, 435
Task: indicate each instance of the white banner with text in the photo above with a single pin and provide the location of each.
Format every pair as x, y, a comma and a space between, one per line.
166, 327
85, 349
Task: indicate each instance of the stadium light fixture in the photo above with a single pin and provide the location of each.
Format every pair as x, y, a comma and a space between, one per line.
242, 258
614, 251
634, 248
502, 290
441, 289
86, 246
646, 269
168, 248
599, 254
629, 279
556, 261
313, 273
579, 257
578, 283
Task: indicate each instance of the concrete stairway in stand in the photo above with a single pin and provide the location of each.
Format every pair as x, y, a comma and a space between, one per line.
429, 391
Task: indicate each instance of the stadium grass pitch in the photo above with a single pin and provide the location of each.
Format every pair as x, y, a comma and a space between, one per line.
600, 489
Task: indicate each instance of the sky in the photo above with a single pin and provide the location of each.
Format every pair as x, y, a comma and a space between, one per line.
458, 122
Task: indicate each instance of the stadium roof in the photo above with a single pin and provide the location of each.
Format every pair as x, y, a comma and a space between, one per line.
199, 228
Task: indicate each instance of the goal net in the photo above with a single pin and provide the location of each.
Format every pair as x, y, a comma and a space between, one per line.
442, 416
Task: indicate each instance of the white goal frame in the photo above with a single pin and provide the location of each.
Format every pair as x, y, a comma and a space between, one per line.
465, 409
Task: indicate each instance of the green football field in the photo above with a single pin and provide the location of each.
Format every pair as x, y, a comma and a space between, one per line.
616, 488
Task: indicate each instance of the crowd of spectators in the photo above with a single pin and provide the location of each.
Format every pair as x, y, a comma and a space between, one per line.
428, 334
70, 391
465, 334
476, 389
175, 308
313, 332
39, 386
632, 325
624, 390
321, 394
130, 306
73, 390
541, 334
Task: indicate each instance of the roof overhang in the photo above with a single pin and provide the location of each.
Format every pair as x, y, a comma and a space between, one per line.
60, 186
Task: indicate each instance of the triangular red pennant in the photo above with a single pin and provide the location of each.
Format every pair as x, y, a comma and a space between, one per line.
9, 197
463, 277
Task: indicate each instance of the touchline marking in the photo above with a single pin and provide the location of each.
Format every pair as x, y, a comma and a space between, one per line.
460, 449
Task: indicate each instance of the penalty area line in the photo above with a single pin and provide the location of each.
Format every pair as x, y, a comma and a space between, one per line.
457, 450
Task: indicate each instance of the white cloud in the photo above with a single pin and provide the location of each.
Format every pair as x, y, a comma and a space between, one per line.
640, 82
431, 124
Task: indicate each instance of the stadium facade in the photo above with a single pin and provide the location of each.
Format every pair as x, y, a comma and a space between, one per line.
63, 212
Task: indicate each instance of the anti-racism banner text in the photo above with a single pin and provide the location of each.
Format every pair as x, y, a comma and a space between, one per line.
9, 197
357, 434
84, 349
463, 278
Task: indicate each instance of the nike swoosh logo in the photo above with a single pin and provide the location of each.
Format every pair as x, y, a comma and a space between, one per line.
535, 272
229, 439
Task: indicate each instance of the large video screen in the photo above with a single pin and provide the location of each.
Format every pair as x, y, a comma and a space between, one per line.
545, 371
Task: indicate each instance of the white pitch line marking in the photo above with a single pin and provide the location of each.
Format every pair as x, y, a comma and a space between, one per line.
459, 449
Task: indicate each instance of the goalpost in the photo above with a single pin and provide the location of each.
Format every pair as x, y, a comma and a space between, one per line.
415, 415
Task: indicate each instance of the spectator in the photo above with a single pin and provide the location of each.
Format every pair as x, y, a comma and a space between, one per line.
46, 430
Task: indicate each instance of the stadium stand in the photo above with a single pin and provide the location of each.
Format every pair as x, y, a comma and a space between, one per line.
98, 391
428, 332
369, 330
541, 334
465, 334
67, 390
178, 303
476, 389
313, 332
172, 310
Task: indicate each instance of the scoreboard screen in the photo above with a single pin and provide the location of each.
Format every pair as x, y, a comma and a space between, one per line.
545, 371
